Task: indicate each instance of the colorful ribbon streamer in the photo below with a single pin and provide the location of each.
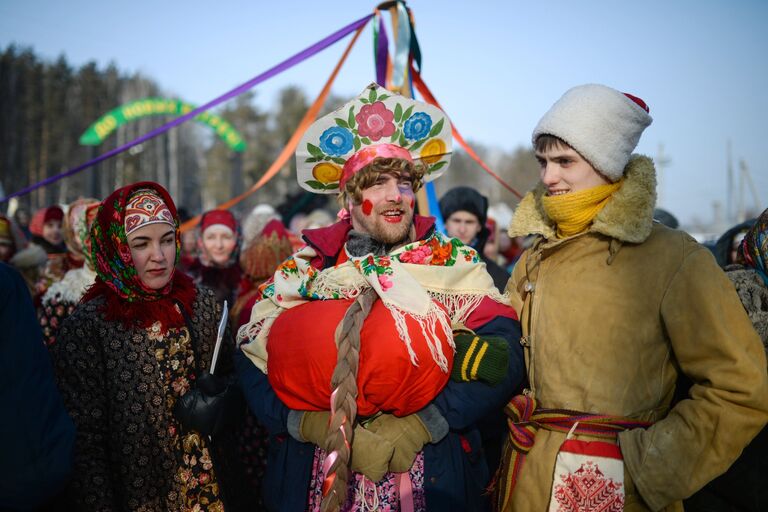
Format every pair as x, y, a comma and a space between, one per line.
402, 46
279, 68
380, 50
290, 146
427, 95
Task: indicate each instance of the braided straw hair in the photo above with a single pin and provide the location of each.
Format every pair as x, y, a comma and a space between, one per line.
344, 402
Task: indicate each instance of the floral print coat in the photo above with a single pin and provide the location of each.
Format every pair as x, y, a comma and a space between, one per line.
130, 452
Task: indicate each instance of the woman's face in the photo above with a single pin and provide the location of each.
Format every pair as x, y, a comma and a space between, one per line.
52, 232
219, 242
153, 249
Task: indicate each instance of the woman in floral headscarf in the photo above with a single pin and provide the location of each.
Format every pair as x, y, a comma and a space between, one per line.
129, 351
218, 248
61, 298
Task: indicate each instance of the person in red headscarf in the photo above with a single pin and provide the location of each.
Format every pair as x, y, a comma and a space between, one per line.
62, 297
218, 247
132, 348
259, 260
8, 240
46, 229
47, 233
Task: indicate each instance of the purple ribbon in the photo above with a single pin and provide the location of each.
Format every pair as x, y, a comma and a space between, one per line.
286, 64
382, 50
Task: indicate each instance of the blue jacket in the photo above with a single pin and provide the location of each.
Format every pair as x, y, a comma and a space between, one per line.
38, 435
456, 473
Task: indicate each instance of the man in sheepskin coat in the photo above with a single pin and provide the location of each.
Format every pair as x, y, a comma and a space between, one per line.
613, 307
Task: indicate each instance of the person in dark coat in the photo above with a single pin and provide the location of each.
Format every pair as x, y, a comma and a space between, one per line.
726, 247
38, 435
465, 214
413, 423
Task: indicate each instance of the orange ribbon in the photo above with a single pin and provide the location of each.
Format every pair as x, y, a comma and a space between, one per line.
290, 146
427, 95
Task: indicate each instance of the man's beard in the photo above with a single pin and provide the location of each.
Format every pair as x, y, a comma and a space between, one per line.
391, 235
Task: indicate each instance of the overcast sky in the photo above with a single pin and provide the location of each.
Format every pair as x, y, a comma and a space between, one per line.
496, 66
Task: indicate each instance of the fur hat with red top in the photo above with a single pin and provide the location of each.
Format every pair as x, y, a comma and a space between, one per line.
601, 123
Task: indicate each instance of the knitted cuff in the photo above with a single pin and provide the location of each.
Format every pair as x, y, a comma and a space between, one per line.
294, 425
480, 358
434, 422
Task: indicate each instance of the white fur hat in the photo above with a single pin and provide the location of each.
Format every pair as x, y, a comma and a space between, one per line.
602, 124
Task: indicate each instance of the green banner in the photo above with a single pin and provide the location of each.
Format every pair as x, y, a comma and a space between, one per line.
109, 122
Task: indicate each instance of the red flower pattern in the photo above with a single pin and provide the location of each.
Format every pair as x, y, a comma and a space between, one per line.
375, 121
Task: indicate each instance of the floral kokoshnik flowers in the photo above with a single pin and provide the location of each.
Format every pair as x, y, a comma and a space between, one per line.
372, 120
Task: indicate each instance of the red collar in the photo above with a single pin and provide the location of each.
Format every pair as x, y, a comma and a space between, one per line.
329, 240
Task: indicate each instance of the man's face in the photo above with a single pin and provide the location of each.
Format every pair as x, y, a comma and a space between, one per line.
564, 170
462, 225
386, 209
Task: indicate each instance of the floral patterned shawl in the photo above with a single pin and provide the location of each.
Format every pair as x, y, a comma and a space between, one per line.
754, 247
406, 280
128, 299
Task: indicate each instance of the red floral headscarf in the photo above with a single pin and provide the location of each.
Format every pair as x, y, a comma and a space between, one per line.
128, 299
754, 247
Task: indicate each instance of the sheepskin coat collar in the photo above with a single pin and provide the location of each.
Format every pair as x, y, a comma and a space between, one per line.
628, 216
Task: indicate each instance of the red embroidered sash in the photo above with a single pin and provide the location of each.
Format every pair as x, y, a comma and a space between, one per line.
525, 418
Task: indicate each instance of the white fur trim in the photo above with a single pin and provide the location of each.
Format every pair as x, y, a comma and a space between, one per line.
72, 287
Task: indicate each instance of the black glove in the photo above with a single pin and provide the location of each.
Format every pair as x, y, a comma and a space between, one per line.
211, 405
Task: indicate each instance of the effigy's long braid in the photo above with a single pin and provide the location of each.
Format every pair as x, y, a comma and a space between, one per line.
344, 403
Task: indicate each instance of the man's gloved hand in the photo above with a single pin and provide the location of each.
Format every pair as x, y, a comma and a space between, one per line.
359, 244
371, 454
407, 435
311, 426
481, 358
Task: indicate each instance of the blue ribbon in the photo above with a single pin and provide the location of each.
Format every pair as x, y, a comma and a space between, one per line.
403, 46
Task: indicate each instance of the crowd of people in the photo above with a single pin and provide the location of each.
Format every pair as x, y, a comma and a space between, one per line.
588, 356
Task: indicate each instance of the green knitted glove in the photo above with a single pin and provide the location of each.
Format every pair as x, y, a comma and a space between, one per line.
481, 358
407, 435
371, 454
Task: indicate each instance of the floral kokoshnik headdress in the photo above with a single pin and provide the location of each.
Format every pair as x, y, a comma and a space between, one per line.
378, 123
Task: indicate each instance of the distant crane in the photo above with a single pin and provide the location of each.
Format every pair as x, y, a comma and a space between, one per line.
660, 162
745, 180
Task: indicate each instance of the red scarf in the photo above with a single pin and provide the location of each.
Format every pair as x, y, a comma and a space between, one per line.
127, 299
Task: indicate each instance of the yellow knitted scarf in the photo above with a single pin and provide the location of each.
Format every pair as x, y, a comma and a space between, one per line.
573, 212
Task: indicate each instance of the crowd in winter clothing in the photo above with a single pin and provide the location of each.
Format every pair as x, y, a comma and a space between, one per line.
588, 356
